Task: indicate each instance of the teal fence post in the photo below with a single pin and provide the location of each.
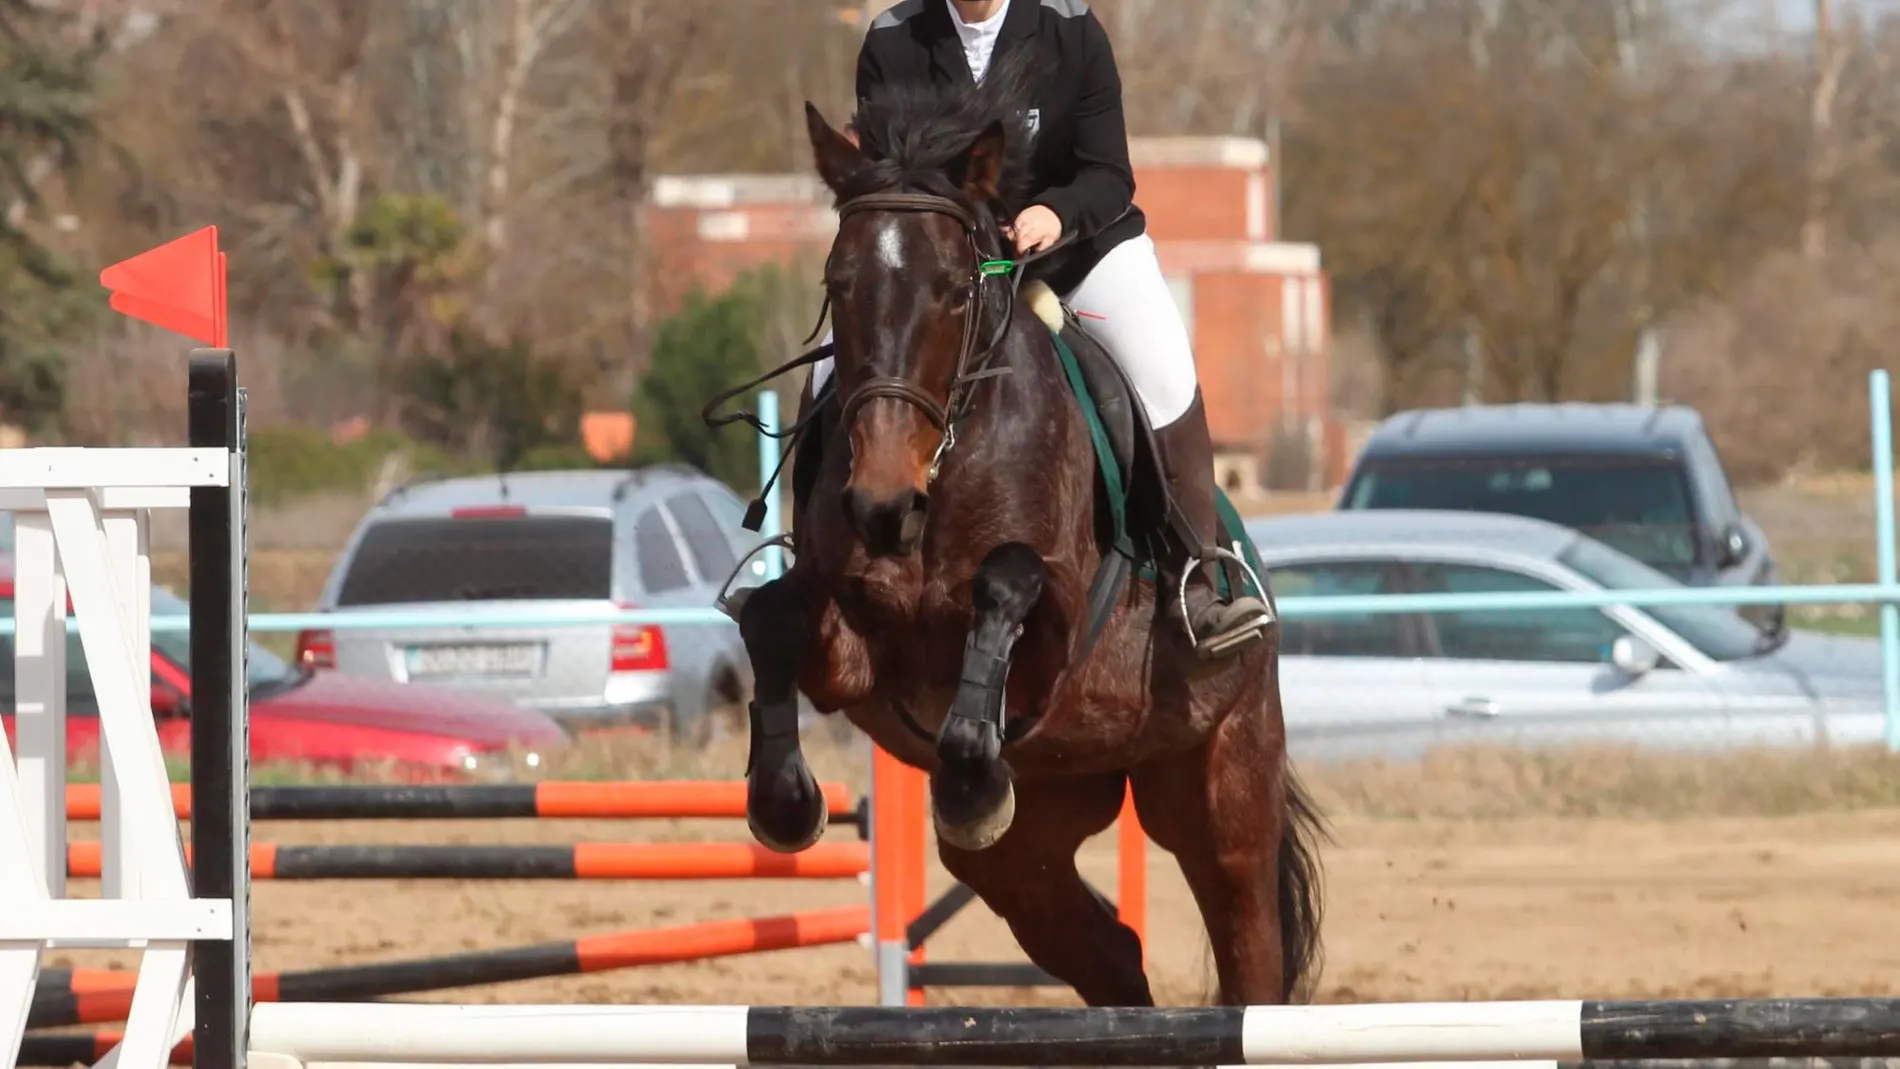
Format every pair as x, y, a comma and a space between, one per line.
1880, 402
768, 459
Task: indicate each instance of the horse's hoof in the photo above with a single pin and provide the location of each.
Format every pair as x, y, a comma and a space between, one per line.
986, 823
789, 823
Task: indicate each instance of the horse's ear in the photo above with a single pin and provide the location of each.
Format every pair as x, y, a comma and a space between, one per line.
983, 165
838, 157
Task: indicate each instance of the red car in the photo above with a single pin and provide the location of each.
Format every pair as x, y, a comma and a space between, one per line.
324, 719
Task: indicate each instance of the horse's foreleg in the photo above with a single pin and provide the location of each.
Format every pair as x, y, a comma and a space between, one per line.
1029, 879
971, 793
783, 805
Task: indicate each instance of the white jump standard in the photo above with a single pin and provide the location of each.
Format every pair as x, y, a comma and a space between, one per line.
82, 517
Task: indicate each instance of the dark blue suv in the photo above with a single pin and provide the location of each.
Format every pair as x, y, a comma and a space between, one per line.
1647, 481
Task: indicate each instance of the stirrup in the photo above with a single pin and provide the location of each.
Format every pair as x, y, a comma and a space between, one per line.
730, 601
1242, 636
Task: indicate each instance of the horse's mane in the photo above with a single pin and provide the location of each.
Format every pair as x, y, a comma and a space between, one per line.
916, 135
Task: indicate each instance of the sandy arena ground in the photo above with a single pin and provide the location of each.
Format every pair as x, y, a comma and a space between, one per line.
1417, 910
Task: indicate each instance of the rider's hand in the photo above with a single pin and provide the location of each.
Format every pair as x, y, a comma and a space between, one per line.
1036, 228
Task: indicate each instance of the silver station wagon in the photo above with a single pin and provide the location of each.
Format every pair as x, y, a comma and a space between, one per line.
1394, 685
656, 537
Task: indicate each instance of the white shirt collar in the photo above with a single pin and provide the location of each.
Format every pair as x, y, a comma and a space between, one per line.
979, 38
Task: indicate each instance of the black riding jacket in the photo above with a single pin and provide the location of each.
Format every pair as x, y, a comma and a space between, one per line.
1080, 163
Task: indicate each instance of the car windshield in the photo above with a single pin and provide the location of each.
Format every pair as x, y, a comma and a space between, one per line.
1639, 505
487, 558
1718, 631
266, 670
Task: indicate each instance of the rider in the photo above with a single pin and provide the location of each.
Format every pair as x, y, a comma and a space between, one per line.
1084, 186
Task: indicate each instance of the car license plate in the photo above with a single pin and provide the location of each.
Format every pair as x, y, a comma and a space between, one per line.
479, 660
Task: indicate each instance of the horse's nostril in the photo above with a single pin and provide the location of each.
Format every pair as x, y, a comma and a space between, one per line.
889, 525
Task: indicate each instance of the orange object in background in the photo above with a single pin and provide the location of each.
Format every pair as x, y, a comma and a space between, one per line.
607, 436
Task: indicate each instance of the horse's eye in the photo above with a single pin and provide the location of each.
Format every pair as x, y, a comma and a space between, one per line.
960, 297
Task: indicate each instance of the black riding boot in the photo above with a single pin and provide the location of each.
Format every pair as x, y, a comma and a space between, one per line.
1216, 627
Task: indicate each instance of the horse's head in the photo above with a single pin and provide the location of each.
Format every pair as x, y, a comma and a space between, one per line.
916, 312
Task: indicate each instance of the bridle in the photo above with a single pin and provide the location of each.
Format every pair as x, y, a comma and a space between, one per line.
973, 362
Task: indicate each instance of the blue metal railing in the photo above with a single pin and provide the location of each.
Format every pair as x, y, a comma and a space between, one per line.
1885, 592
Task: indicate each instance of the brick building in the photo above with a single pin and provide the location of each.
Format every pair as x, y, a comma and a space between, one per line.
1257, 307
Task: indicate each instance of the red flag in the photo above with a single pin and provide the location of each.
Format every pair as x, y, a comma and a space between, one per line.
178, 285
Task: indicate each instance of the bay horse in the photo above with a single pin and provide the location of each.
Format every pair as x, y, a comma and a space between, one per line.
944, 541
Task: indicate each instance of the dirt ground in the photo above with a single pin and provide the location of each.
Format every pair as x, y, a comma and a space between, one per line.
1682, 885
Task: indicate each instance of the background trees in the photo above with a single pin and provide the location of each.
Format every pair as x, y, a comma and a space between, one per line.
439, 205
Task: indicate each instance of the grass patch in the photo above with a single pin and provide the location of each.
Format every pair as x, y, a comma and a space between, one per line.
1468, 784
1867, 625
1607, 782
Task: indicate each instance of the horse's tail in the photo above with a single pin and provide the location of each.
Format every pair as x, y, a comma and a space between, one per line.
1301, 900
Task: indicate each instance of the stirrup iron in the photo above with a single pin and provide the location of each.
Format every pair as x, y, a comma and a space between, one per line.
1247, 635
731, 601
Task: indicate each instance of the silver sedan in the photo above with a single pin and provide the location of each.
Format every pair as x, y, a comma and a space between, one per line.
1393, 685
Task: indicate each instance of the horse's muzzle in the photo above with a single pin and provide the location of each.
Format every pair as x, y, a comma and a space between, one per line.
888, 526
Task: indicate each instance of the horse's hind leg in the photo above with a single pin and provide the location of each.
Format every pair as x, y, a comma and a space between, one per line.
783, 805
1029, 879
971, 792
1239, 826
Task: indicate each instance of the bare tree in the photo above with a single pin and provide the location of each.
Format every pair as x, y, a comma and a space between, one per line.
1824, 156
649, 44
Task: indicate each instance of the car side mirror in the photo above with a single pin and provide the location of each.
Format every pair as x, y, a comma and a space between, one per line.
168, 704
1732, 547
1633, 657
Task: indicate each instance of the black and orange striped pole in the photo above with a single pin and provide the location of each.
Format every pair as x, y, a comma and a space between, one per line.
548, 800
585, 861
81, 1048
95, 996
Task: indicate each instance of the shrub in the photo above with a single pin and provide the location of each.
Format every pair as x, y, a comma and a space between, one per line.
292, 461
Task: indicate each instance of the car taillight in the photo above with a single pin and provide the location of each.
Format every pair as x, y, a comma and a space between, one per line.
638, 647
316, 649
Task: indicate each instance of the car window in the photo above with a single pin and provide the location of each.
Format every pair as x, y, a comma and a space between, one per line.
485, 558
1640, 505
729, 512
1720, 632
265, 669
80, 698
1722, 508
705, 539
1579, 635
661, 568
1340, 635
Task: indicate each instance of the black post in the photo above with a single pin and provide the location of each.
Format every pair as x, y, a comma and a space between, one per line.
220, 746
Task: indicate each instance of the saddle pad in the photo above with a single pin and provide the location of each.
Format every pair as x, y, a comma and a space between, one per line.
1116, 481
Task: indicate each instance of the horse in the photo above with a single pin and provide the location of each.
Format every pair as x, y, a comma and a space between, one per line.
939, 592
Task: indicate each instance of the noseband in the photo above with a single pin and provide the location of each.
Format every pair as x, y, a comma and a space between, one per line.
972, 361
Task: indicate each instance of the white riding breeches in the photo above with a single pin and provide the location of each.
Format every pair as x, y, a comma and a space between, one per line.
1126, 305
